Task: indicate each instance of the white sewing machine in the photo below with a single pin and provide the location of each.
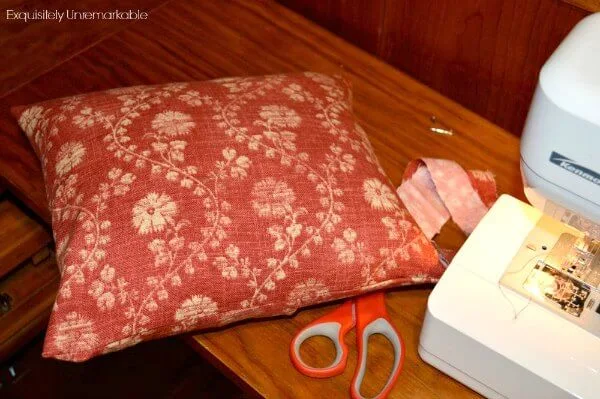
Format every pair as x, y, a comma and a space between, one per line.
517, 313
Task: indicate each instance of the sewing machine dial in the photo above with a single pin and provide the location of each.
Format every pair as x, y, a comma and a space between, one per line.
558, 267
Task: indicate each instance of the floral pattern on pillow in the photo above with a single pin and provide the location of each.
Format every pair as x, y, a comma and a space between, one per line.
191, 205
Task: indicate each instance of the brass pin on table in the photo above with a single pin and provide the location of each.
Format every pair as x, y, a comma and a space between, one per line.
439, 129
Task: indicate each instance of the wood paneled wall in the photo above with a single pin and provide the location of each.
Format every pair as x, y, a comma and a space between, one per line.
32, 48
484, 54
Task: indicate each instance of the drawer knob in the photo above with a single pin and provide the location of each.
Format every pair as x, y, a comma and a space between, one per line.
5, 303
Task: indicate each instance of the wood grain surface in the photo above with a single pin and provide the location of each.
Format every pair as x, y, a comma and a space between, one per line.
20, 236
486, 55
130, 374
19, 167
589, 5
31, 48
32, 289
202, 39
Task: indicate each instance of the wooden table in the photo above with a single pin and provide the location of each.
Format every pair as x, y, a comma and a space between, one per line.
203, 39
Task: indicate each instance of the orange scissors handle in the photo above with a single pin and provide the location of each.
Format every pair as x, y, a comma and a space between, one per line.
372, 318
334, 325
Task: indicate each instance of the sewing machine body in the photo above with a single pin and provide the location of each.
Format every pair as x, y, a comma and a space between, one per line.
496, 340
561, 140
517, 312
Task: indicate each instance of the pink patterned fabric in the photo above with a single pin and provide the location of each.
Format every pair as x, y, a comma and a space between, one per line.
192, 205
433, 190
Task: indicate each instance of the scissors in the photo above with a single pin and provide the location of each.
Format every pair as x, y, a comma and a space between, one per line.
369, 315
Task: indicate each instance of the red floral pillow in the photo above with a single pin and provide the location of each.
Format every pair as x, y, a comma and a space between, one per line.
191, 205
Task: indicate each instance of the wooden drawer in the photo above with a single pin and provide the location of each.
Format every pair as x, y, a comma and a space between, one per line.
20, 235
28, 276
